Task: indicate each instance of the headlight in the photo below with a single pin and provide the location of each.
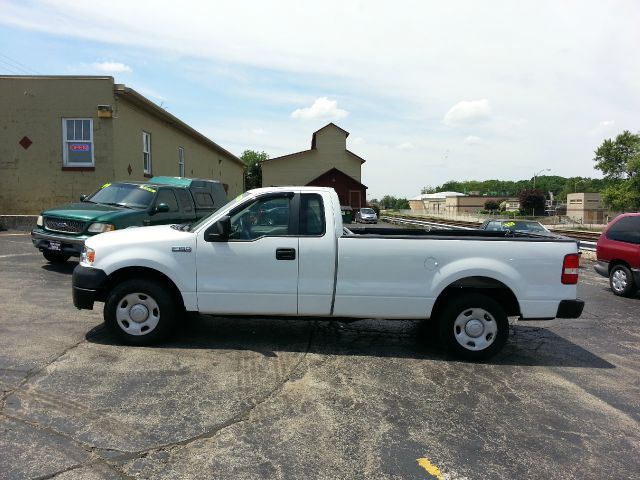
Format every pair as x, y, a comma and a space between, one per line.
39, 222
101, 227
88, 255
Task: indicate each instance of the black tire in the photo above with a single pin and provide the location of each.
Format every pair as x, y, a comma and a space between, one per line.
151, 296
473, 326
55, 257
621, 281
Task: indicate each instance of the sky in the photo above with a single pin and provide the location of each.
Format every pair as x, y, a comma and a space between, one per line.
430, 91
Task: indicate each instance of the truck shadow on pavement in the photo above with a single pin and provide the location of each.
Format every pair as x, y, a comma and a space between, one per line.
64, 267
527, 346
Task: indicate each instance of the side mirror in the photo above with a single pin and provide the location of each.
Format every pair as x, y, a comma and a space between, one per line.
219, 231
82, 197
161, 208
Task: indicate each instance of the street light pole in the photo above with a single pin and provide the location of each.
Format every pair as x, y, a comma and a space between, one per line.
535, 175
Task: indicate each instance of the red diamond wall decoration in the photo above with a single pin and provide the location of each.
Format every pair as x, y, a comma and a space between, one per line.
25, 142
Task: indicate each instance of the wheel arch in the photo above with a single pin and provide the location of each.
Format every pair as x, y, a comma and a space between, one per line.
128, 273
488, 286
616, 262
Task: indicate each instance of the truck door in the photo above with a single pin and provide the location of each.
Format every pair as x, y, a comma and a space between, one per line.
256, 270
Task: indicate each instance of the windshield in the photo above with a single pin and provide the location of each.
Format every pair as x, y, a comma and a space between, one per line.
229, 205
123, 194
368, 211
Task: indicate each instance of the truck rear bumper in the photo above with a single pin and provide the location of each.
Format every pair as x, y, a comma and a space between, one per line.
86, 283
570, 309
42, 240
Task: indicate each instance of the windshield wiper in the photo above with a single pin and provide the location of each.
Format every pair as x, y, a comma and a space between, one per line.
117, 204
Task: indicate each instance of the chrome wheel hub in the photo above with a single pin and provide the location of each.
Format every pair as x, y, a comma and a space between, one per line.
619, 280
137, 314
475, 329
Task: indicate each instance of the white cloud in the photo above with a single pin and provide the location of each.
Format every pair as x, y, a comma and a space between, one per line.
357, 141
406, 146
111, 67
607, 123
468, 111
473, 141
258, 131
322, 108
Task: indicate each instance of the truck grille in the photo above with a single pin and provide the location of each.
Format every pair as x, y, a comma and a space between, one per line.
63, 225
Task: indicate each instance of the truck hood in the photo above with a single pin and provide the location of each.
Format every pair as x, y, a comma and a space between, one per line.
86, 211
139, 236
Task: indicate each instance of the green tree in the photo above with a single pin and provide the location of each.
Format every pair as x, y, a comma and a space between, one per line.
619, 161
253, 170
491, 205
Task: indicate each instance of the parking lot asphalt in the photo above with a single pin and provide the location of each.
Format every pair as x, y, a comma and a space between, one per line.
289, 399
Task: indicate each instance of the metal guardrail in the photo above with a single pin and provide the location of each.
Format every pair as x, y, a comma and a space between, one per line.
586, 240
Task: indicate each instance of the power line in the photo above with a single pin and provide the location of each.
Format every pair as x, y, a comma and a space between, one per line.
25, 68
10, 68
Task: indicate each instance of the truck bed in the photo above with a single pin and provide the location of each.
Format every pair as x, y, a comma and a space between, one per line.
454, 233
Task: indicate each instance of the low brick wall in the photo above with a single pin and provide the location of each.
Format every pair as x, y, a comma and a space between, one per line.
22, 223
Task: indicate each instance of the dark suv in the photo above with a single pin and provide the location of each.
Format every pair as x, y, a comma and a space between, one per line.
618, 253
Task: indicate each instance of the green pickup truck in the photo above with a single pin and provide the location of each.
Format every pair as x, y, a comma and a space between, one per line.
60, 232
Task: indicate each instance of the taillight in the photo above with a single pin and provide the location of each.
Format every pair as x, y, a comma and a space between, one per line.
570, 268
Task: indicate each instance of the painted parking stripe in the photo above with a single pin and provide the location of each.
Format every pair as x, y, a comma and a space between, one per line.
16, 255
430, 468
13, 234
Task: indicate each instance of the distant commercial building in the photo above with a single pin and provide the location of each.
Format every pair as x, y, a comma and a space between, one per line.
431, 202
586, 208
327, 163
63, 136
453, 203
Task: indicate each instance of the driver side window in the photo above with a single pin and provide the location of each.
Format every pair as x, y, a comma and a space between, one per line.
267, 217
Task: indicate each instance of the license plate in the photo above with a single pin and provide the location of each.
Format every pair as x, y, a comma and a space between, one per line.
57, 246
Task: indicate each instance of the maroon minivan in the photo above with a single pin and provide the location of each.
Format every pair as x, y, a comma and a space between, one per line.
618, 253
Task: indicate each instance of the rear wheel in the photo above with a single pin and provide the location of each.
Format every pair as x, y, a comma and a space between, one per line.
473, 326
140, 311
55, 257
621, 281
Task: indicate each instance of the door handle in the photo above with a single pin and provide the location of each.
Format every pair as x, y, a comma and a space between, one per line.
285, 254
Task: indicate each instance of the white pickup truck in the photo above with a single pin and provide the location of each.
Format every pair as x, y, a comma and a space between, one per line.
283, 251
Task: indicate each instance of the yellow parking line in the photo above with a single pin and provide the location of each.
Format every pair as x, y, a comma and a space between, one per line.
430, 468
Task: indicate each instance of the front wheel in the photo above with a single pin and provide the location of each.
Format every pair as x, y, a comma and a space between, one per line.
140, 311
621, 281
473, 326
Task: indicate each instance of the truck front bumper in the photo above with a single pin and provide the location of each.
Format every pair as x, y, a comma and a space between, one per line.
66, 244
86, 283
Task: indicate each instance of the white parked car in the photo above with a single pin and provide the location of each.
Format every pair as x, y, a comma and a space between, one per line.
366, 215
468, 281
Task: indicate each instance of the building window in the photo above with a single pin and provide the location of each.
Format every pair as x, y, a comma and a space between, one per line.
77, 136
180, 162
146, 153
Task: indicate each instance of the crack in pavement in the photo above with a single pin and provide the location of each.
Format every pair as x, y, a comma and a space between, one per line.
113, 461
240, 417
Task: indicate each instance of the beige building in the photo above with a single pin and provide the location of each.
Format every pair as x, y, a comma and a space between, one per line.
431, 203
65, 136
468, 203
586, 208
327, 163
